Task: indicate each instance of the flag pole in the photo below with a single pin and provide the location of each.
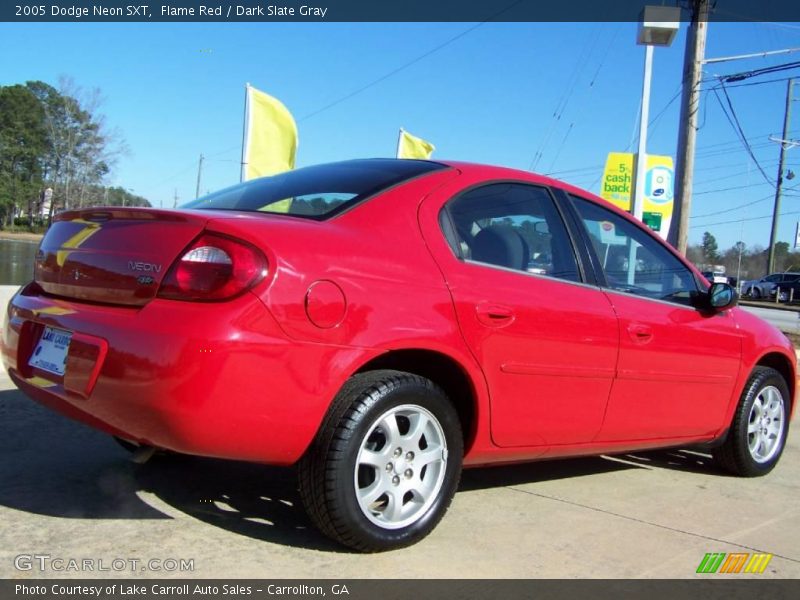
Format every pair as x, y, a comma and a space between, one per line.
245, 130
399, 142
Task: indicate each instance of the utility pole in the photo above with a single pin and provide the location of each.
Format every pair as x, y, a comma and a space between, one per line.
784, 142
175, 203
199, 174
687, 134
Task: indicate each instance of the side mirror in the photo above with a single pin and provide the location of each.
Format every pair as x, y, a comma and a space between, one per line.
721, 296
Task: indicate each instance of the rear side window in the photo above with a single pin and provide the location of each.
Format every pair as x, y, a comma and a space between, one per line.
511, 225
317, 192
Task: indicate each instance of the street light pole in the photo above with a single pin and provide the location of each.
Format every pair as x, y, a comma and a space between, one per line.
637, 201
775, 213
657, 27
637, 204
199, 175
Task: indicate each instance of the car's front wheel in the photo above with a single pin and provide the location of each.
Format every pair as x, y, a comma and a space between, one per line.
758, 432
755, 293
385, 464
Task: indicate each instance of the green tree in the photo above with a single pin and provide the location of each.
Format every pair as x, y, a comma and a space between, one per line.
23, 143
710, 249
781, 256
57, 139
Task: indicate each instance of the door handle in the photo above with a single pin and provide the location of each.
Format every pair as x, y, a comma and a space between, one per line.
640, 333
494, 315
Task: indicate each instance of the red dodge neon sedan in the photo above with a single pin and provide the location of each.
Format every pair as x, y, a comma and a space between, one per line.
380, 323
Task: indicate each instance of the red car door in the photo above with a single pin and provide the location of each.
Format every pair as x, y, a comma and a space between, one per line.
545, 339
677, 365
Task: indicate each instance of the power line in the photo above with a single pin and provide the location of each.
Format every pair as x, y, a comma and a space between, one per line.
663, 110
748, 83
786, 214
575, 170
776, 25
408, 64
728, 189
711, 154
756, 72
732, 209
730, 176
563, 100
600, 167
723, 151
734, 121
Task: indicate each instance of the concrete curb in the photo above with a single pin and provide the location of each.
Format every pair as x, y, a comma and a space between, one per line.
770, 306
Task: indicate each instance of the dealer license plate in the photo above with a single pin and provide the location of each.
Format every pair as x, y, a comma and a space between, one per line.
50, 353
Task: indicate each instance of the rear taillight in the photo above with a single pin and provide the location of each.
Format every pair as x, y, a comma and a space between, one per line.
214, 267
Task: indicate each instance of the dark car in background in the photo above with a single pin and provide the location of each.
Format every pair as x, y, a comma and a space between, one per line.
789, 291
763, 288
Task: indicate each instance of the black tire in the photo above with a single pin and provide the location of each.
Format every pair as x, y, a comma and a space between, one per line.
736, 455
755, 293
330, 472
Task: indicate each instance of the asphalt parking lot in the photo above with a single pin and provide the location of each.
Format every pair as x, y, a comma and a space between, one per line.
69, 492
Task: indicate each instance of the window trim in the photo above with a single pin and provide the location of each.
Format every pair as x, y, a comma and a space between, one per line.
594, 273
468, 261
557, 201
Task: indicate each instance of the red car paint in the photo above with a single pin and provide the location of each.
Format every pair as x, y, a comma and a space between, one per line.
551, 368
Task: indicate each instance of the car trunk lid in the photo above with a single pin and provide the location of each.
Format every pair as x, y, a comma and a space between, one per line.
113, 255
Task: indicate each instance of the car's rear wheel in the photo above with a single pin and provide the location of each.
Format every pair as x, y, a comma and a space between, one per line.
755, 293
385, 464
757, 435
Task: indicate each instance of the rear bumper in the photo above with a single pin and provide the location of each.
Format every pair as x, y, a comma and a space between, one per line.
208, 379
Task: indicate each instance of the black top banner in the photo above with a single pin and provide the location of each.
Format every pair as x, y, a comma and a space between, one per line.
382, 10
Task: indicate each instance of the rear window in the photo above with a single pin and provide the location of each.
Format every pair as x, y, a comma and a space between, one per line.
317, 192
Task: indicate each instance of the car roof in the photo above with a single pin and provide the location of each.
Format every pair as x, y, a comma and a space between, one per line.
498, 172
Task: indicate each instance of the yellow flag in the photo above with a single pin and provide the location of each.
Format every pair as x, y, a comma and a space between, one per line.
410, 146
270, 136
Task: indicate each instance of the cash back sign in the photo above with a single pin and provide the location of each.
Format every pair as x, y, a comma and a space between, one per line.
618, 185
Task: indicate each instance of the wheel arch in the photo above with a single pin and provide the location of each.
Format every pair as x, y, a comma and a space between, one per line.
446, 372
781, 363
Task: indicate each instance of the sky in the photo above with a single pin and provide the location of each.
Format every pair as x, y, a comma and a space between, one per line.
552, 97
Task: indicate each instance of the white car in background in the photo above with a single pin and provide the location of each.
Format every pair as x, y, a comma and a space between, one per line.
715, 276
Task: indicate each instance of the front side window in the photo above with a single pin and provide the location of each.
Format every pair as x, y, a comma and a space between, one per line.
511, 225
632, 260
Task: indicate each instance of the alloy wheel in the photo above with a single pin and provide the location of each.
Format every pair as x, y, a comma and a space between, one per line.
765, 424
400, 466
